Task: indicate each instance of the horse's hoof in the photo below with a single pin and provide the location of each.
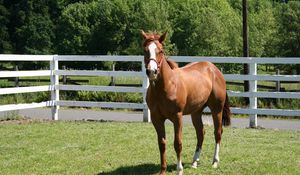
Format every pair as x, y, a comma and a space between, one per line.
194, 164
215, 165
162, 173
180, 172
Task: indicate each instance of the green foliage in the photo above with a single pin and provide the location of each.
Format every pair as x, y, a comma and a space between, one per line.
74, 29
206, 28
25, 98
289, 29
262, 28
195, 27
5, 45
109, 97
288, 42
32, 30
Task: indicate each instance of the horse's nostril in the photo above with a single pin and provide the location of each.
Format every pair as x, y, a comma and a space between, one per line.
155, 71
148, 72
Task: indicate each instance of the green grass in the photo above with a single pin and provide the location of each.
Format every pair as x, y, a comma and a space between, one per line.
112, 148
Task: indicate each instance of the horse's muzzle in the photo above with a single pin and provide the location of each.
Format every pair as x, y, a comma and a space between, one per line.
152, 74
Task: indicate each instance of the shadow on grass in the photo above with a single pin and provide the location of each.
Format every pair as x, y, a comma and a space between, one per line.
138, 169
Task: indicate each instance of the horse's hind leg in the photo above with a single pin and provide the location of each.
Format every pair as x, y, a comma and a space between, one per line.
217, 118
198, 125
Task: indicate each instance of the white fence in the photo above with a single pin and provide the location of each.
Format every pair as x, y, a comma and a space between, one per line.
55, 87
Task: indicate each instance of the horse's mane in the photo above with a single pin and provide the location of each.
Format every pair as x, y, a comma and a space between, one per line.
172, 63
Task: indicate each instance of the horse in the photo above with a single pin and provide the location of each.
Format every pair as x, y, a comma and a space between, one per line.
174, 92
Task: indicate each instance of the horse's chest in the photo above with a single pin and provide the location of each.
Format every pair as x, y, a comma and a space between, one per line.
166, 103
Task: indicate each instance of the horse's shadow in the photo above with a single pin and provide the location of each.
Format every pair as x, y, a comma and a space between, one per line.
138, 169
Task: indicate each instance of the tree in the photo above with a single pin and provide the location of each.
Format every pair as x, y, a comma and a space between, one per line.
74, 29
37, 35
262, 28
152, 15
207, 28
5, 45
119, 24
288, 42
109, 29
289, 29
31, 28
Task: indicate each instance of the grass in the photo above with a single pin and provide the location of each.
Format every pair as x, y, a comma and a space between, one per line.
112, 148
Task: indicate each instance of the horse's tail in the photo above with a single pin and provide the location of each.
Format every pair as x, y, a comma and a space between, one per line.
226, 113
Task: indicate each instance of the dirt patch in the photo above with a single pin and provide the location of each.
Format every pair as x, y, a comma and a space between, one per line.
22, 120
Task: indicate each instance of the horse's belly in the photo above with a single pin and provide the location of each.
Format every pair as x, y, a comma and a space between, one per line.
196, 99
192, 107
198, 88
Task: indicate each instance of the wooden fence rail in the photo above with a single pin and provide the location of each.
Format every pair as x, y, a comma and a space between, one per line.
54, 87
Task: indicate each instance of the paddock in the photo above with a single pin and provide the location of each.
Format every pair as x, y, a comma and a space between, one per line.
129, 116
55, 87
88, 147
35, 147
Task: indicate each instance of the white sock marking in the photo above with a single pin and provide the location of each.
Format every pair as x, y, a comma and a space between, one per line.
216, 159
179, 168
197, 155
196, 158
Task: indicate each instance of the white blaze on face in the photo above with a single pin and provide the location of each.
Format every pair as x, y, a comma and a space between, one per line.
152, 63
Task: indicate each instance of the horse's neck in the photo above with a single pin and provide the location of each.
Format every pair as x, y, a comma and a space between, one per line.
165, 70
166, 74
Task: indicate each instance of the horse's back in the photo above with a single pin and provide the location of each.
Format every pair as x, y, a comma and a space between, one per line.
204, 70
201, 71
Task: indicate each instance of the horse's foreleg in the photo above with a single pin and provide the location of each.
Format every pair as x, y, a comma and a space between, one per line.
161, 138
178, 142
218, 134
198, 125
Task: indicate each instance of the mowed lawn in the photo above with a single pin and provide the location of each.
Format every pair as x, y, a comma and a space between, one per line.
131, 148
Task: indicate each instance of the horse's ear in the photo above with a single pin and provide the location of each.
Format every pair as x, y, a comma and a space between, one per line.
143, 34
162, 37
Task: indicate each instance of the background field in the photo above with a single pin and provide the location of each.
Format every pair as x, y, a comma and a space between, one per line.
111, 148
136, 97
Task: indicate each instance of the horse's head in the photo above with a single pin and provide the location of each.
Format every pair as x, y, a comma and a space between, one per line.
153, 53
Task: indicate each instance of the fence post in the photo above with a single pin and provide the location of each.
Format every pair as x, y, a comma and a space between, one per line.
146, 111
17, 78
278, 86
64, 77
112, 78
55, 91
252, 99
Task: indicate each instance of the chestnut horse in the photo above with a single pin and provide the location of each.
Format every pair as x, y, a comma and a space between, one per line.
174, 92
